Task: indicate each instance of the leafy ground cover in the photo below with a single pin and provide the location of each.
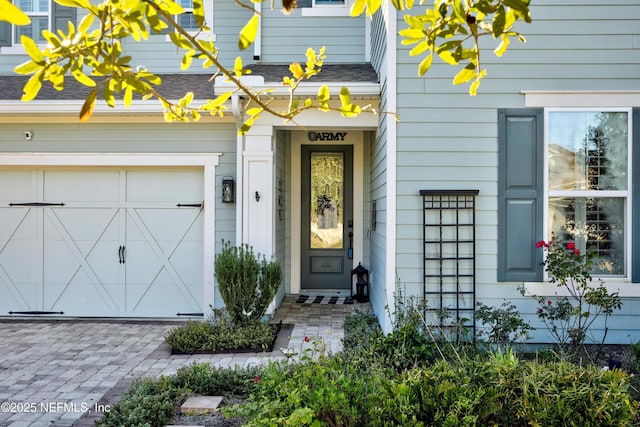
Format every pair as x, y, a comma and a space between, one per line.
399, 379
209, 337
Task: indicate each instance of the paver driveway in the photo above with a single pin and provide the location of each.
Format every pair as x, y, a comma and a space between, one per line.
55, 373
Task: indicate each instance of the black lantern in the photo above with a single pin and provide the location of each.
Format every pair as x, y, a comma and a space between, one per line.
362, 283
228, 194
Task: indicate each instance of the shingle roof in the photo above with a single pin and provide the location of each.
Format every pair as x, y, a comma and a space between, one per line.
176, 85
348, 73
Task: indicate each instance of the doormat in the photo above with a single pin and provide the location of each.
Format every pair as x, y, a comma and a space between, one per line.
321, 299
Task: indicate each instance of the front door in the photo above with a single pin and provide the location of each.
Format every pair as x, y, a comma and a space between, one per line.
327, 217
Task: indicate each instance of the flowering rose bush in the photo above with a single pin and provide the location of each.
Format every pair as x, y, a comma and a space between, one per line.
568, 318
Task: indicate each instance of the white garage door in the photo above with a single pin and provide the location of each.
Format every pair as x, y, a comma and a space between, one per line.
101, 241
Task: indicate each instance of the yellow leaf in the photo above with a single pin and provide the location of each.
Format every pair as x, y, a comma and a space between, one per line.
345, 97
85, 24
82, 77
351, 110
26, 68
358, 7
172, 8
447, 57
502, 47
186, 61
198, 13
74, 3
89, 104
248, 33
12, 14
425, 64
32, 49
324, 94
237, 67
420, 48
128, 96
108, 96
220, 100
32, 87
466, 74
296, 70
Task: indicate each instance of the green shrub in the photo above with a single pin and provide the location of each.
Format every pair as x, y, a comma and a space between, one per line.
326, 391
504, 324
189, 337
570, 318
360, 329
501, 390
215, 381
404, 348
147, 404
196, 336
247, 285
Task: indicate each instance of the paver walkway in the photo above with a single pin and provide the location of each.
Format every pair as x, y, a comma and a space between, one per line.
52, 372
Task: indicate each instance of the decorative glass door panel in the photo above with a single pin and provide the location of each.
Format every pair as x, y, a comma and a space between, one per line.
326, 217
327, 200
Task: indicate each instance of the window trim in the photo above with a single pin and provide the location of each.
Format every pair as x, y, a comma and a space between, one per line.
208, 19
16, 47
327, 9
626, 194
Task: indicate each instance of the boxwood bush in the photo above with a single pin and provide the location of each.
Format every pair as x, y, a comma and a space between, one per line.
195, 336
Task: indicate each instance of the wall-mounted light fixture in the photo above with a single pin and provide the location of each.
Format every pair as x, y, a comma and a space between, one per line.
228, 191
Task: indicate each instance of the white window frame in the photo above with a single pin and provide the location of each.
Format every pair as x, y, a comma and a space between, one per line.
208, 19
16, 47
626, 194
327, 9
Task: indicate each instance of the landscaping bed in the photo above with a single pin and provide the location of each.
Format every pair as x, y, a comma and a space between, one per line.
401, 379
208, 338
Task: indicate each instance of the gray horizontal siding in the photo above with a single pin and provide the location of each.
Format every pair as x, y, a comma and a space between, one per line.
286, 38
448, 140
119, 138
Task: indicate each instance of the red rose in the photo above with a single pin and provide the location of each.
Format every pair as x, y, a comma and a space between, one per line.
540, 243
256, 379
571, 245
576, 252
306, 338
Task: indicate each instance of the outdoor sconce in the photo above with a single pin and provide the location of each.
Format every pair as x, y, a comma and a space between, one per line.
228, 193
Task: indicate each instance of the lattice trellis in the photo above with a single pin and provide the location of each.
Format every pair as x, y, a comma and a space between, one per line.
450, 260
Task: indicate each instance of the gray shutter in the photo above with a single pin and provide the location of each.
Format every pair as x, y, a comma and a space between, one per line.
61, 16
520, 194
635, 194
5, 34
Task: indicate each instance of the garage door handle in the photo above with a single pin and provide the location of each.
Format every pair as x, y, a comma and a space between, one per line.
36, 204
121, 254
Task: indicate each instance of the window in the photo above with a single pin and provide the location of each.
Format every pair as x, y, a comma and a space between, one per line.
186, 19
44, 14
588, 181
38, 11
570, 173
324, 7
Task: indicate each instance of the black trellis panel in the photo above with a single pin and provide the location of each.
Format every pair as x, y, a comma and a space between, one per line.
449, 283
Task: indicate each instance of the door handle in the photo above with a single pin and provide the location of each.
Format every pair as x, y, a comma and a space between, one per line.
121, 259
